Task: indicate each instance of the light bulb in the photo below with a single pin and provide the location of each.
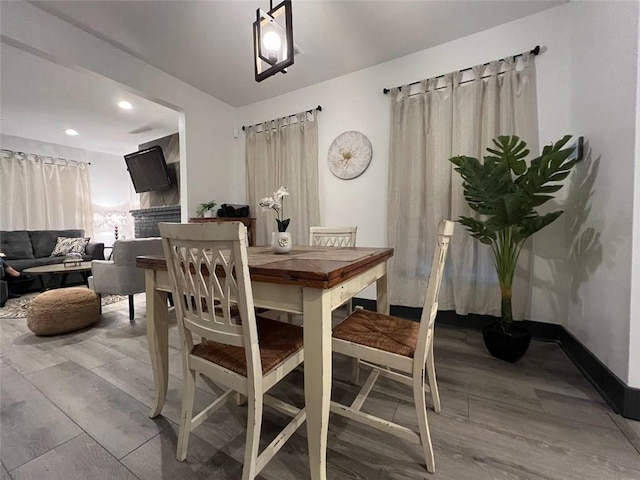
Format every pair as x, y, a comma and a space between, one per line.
271, 41
125, 105
71, 132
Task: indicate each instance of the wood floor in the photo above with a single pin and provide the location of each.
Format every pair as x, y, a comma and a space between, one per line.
76, 406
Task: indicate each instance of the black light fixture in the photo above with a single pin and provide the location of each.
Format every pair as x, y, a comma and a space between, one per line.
273, 40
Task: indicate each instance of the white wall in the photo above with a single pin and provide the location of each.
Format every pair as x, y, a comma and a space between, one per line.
205, 130
110, 182
578, 93
604, 82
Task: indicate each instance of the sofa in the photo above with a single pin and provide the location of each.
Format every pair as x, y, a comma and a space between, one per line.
32, 248
4, 289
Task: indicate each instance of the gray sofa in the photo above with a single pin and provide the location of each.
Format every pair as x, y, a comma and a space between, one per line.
32, 248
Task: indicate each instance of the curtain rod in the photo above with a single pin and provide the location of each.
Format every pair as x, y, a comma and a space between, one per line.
318, 108
43, 157
535, 51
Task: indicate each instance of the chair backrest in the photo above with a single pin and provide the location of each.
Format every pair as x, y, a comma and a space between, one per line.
207, 264
332, 236
430, 308
126, 250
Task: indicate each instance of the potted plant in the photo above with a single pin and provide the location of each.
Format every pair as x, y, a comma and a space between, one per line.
206, 209
505, 191
280, 240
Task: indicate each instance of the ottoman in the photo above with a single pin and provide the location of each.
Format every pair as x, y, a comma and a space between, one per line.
62, 310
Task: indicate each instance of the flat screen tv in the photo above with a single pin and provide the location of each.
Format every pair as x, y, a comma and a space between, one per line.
148, 169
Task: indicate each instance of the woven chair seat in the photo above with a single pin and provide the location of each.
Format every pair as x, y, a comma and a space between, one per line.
383, 332
277, 340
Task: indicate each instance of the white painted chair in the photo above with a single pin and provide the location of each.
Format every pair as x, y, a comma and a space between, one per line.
332, 236
395, 347
336, 237
328, 237
209, 276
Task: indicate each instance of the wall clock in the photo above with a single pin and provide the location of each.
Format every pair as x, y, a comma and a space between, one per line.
349, 155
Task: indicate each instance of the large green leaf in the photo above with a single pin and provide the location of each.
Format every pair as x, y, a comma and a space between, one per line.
511, 152
483, 184
478, 230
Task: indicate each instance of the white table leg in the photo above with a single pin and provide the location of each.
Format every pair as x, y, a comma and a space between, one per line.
382, 302
317, 376
158, 339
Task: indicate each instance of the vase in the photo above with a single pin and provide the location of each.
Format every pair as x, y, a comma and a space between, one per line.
281, 242
509, 344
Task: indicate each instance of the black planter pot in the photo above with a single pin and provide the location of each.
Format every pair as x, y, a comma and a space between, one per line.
508, 346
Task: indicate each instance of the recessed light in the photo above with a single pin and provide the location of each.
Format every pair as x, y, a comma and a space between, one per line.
71, 131
125, 105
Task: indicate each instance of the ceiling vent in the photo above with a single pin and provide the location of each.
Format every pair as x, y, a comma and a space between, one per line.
144, 129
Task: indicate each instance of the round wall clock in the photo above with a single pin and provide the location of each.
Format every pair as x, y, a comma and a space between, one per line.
349, 155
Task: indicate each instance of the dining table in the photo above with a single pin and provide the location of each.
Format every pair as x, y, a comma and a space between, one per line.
311, 281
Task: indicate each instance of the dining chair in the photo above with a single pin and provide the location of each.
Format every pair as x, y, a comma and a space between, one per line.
336, 237
332, 236
328, 237
398, 349
209, 276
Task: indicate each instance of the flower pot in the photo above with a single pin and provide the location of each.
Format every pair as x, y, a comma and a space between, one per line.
208, 213
281, 242
509, 346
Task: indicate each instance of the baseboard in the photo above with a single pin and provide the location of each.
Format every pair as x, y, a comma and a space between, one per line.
622, 398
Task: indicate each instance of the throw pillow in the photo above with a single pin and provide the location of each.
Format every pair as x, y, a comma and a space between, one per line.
66, 245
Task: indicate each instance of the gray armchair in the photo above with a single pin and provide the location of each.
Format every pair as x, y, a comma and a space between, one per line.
120, 276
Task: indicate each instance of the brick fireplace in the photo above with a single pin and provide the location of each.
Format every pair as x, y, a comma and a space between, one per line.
145, 220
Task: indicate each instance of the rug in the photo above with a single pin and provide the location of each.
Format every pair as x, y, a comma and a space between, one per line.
17, 307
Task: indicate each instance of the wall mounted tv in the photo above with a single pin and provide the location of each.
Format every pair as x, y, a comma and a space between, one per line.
148, 169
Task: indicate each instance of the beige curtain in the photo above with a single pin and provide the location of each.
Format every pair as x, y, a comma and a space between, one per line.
284, 152
427, 129
42, 193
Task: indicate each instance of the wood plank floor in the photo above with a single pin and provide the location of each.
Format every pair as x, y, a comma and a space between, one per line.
75, 407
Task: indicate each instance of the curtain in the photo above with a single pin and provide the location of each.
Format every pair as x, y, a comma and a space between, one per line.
41, 193
284, 152
447, 118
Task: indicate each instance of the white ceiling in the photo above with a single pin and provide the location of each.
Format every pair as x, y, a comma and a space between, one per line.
208, 44
41, 99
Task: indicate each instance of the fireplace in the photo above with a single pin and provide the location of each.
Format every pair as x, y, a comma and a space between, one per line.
146, 220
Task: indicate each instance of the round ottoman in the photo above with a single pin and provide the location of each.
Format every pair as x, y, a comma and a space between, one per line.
62, 310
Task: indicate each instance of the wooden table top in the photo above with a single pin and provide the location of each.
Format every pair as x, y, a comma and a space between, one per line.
317, 267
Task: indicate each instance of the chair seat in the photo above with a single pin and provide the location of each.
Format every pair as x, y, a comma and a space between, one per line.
277, 340
383, 332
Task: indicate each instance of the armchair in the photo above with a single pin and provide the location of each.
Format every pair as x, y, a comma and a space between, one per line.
120, 276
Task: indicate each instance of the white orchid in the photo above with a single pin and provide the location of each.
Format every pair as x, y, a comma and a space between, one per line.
282, 192
268, 202
277, 203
